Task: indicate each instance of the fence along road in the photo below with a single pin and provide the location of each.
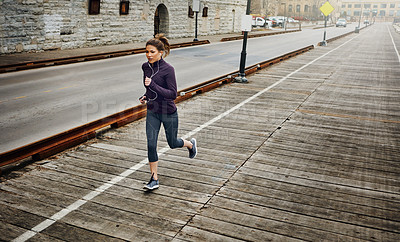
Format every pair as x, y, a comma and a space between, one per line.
307, 150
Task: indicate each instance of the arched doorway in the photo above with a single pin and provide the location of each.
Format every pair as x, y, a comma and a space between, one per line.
161, 20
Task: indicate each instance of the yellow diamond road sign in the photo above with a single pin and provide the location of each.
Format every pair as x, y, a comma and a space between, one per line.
326, 9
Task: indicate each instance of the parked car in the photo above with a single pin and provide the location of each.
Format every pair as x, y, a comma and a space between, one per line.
292, 20
341, 22
278, 19
261, 22
258, 21
271, 22
366, 22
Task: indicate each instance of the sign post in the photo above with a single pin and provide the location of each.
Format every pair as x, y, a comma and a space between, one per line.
326, 9
246, 27
196, 9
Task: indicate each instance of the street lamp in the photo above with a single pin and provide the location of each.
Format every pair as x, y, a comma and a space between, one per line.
196, 9
284, 17
241, 78
359, 19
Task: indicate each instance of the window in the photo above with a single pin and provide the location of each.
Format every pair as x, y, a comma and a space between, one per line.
392, 5
297, 8
190, 13
398, 13
391, 13
349, 5
343, 5
357, 5
357, 13
205, 12
94, 7
290, 8
375, 5
306, 8
382, 13
348, 12
124, 7
367, 5
383, 5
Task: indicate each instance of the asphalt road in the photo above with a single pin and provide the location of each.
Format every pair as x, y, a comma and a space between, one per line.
35, 104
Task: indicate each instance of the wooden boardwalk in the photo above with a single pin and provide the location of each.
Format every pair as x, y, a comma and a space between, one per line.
309, 149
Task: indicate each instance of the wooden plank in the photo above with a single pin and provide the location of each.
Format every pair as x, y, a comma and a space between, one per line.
235, 231
282, 228
314, 200
65, 231
136, 184
300, 220
125, 192
19, 218
310, 210
189, 233
308, 189
335, 170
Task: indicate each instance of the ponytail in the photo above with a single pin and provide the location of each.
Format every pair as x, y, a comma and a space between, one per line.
161, 43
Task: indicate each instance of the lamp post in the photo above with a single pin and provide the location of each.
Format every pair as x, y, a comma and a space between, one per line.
241, 78
359, 19
284, 17
196, 9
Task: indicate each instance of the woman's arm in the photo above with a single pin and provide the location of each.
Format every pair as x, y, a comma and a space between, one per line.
171, 91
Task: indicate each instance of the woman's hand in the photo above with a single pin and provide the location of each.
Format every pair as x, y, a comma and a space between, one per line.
147, 81
142, 100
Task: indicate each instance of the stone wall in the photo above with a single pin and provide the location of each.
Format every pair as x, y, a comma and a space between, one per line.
39, 25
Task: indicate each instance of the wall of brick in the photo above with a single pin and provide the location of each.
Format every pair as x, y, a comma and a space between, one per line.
40, 25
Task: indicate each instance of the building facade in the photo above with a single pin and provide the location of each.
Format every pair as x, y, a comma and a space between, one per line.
298, 9
38, 25
376, 10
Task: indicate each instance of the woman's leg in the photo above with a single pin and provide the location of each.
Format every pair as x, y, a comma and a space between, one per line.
153, 124
153, 169
170, 123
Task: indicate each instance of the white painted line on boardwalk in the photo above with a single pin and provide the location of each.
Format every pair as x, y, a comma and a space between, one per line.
48, 222
397, 52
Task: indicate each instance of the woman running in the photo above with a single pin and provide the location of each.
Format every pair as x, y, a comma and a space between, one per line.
161, 91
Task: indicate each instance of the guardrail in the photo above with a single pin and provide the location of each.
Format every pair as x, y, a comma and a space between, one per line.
82, 58
59, 142
340, 36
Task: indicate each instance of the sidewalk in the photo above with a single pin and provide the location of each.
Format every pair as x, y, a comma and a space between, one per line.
301, 152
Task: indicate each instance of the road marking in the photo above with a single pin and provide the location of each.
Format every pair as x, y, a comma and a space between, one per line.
48, 222
61, 88
19, 97
48, 91
397, 52
338, 115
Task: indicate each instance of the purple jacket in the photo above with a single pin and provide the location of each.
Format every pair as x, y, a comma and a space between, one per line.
162, 90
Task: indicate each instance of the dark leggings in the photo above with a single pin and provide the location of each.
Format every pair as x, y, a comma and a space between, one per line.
153, 125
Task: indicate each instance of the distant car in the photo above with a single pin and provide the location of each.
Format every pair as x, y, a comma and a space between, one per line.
341, 22
366, 21
278, 19
258, 21
271, 22
291, 20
